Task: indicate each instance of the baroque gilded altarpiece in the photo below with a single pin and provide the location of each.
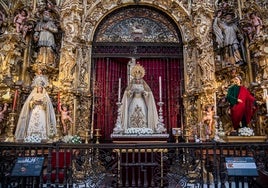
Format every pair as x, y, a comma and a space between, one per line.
80, 23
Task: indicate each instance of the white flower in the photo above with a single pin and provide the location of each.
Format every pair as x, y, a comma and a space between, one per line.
33, 138
245, 131
76, 139
139, 131
72, 139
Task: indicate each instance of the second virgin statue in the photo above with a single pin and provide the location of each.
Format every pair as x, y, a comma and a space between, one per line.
138, 104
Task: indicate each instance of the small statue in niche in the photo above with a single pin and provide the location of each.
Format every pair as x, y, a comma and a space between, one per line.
67, 64
229, 38
40, 78
66, 119
44, 36
11, 56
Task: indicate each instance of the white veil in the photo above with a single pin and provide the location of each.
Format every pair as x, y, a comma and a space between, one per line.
150, 102
25, 115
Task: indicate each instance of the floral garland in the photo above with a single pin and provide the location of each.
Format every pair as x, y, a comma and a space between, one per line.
245, 131
72, 139
139, 131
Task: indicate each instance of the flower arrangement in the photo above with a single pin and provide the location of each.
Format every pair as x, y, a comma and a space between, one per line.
139, 131
33, 138
245, 131
72, 139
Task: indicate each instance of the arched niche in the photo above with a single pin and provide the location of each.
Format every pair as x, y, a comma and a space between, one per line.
137, 24
148, 35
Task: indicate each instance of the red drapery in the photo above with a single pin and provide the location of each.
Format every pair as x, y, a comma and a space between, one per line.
107, 73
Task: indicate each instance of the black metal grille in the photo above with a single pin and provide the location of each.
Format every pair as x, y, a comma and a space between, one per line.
132, 165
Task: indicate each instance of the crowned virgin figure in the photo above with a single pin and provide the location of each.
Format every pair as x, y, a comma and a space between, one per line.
138, 104
37, 116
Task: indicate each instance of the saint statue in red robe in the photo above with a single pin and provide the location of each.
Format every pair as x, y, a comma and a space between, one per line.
242, 103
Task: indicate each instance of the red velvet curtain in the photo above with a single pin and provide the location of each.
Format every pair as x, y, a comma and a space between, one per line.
107, 72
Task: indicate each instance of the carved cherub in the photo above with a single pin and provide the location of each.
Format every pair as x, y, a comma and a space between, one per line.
2, 111
20, 20
208, 117
66, 119
2, 115
256, 23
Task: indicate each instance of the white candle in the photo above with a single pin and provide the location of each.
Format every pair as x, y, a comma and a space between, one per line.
215, 104
266, 98
119, 90
160, 89
200, 131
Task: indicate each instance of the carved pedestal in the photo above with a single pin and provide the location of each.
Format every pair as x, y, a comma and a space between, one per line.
154, 138
245, 138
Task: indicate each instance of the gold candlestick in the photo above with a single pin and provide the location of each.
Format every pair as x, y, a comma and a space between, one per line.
176, 133
87, 136
97, 135
10, 135
58, 133
176, 138
186, 134
51, 134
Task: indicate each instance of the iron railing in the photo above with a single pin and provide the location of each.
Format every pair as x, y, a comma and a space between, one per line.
133, 165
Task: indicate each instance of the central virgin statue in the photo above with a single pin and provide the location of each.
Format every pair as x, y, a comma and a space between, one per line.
138, 104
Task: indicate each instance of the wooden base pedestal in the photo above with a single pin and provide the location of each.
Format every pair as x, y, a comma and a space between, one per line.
134, 139
245, 138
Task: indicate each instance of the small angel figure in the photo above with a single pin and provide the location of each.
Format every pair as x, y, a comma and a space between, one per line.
65, 118
20, 20
2, 111
256, 23
208, 117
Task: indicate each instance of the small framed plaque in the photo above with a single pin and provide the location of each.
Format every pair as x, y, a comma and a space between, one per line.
28, 166
241, 166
